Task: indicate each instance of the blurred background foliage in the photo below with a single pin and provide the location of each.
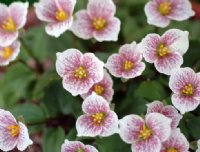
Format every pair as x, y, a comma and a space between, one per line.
50, 112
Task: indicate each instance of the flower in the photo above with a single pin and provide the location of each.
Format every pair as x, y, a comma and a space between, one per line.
145, 135
185, 84
168, 111
98, 118
198, 144
12, 133
9, 53
79, 71
102, 88
76, 146
175, 143
12, 19
160, 12
57, 13
127, 63
97, 21
165, 51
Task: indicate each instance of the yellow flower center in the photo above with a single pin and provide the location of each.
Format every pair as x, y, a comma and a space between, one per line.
172, 150
80, 150
128, 65
97, 118
188, 90
61, 15
99, 89
80, 72
165, 8
9, 25
162, 50
6, 53
14, 130
145, 133
99, 23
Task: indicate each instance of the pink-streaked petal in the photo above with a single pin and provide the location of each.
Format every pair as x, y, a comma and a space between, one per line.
110, 125
82, 26
66, 61
152, 144
148, 46
110, 32
85, 127
168, 63
160, 125
129, 128
89, 148
177, 140
98, 8
7, 38
72, 146
67, 6
6, 119
155, 106
176, 40
23, 139
182, 10
56, 29
4, 13
94, 104
185, 104
18, 12
154, 17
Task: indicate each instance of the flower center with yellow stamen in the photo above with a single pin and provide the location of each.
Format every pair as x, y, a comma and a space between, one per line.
14, 130
172, 150
162, 50
99, 23
6, 53
165, 8
188, 90
145, 133
80, 150
99, 89
98, 118
9, 25
61, 15
80, 72
128, 65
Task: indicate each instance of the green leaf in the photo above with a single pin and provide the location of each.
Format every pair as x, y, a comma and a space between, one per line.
193, 124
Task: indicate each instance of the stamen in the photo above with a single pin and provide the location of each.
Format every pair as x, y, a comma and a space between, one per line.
9, 25
80, 72
99, 23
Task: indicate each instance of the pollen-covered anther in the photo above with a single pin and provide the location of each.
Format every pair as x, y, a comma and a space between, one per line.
165, 8
99, 89
9, 25
6, 53
162, 50
80, 72
171, 150
188, 90
61, 15
128, 65
80, 150
98, 118
14, 130
145, 133
99, 23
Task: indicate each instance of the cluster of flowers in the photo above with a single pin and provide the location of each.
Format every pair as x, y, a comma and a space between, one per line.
84, 74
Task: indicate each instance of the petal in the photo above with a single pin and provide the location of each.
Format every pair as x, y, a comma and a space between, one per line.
7, 38
82, 26
23, 140
176, 140
185, 104
168, 63
155, 106
98, 8
110, 125
150, 145
182, 10
89, 148
94, 104
153, 16
110, 32
72, 146
85, 127
176, 40
4, 13
129, 127
56, 29
6, 118
160, 125
67, 60
18, 12
67, 6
